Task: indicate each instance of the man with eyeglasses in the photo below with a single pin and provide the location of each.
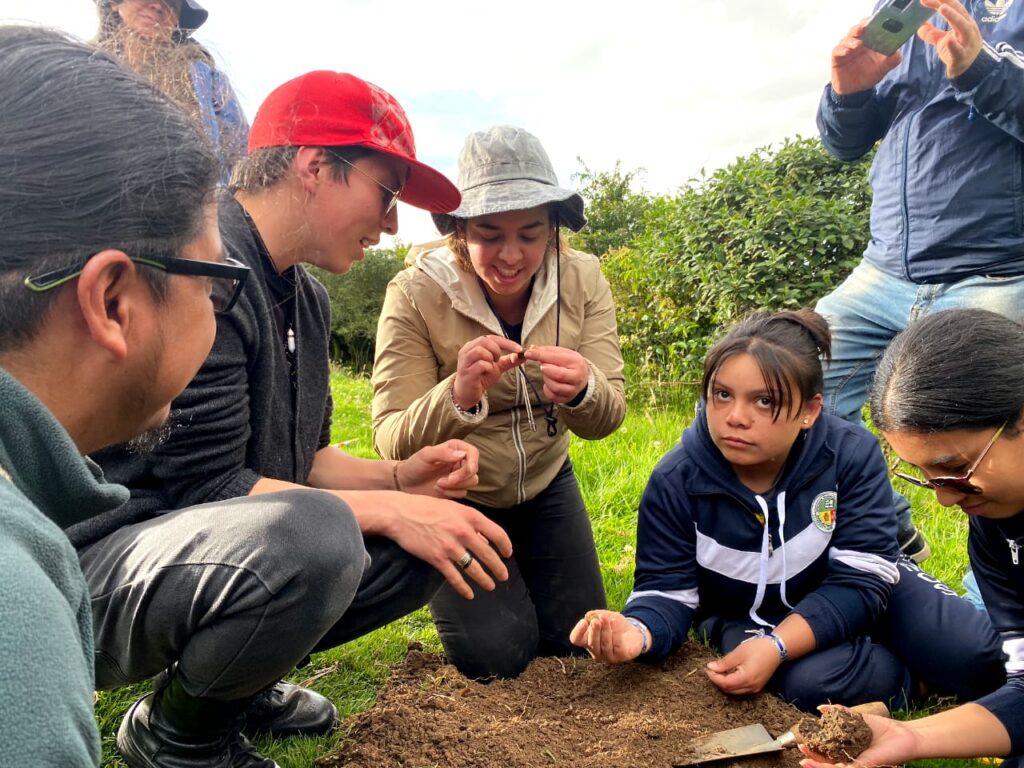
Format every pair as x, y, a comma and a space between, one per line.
239, 584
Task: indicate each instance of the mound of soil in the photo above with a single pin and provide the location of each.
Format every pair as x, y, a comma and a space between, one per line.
561, 712
840, 734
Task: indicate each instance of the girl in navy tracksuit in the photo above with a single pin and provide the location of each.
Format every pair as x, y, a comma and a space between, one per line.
770, 529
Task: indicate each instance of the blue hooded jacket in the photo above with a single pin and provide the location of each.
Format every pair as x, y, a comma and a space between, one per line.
948, 179
828, 551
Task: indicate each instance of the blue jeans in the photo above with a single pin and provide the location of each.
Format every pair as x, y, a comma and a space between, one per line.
870, 307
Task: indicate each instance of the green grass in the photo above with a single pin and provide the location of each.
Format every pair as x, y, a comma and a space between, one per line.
612, 474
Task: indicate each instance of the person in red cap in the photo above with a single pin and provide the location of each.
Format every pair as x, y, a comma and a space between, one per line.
224, 571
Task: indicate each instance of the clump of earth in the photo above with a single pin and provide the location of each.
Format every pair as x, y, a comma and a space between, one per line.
559, 712
840, 735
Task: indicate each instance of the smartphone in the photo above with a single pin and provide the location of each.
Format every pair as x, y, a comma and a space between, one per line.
893, 24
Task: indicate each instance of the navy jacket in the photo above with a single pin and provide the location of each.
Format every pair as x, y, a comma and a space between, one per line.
829, 553
996, 549
948, 179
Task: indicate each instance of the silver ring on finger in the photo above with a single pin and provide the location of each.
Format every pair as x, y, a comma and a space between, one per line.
465, 561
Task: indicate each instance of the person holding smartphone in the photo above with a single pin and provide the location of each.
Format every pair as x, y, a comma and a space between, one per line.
947, 215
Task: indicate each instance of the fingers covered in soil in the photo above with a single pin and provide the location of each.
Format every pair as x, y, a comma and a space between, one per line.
840, 735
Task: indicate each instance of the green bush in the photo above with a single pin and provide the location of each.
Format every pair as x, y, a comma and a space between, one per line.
615, 211
776, 229
356, 301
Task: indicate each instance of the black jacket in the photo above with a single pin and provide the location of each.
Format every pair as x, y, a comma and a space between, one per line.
242, 417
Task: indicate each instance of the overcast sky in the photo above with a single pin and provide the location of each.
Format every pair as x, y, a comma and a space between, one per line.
667, 85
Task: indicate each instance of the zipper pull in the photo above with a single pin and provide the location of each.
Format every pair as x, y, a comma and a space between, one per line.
771, 549
291, 340
1014, 551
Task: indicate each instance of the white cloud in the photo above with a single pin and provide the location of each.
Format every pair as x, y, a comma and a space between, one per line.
667, 86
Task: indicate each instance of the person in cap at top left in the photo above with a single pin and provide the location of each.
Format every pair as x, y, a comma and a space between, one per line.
154, 38
250, 541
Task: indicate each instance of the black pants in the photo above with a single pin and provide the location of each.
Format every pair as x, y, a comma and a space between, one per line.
927, 635
554, 579
237, 592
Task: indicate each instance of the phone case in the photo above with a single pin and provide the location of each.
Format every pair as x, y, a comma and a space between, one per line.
893, 24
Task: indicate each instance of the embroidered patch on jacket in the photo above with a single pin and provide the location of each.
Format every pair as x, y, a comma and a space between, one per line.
823, 511
998, 10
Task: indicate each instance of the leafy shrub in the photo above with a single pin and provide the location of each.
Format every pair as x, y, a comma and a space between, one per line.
776, 229
615, 211
356, 301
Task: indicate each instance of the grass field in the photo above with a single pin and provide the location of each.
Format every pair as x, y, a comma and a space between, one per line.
612, 474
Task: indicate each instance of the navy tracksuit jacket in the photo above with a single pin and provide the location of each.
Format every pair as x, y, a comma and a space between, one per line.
821, 544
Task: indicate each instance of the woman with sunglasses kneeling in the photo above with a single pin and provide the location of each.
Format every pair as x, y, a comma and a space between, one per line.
506, 338
770, 530
949, 398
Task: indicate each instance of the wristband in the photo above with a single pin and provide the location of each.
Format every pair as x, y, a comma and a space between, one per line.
780, 646
643, 632
394, 475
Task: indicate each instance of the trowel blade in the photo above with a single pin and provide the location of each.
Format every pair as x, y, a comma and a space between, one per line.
725, 745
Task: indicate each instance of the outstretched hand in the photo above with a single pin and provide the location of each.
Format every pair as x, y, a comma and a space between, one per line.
746, 669
893, 744
481, 363
441, 532
957, 47
855, 67
608, 636
445, 470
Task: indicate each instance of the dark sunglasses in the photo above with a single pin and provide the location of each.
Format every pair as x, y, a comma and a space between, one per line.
960, 483
226, 277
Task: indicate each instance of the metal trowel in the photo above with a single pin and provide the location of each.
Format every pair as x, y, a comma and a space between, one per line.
754, 740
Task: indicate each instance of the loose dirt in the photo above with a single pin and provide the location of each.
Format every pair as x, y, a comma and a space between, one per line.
558, 712
840, 734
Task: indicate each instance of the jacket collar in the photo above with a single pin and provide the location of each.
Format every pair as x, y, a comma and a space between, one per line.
467, 295
810, 456
38, 456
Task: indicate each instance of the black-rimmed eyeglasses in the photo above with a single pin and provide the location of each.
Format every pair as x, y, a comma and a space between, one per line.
226, 277
960, 483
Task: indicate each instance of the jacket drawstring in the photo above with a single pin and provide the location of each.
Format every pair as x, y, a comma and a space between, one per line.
521, 387
762, 576
780, 506
766, 553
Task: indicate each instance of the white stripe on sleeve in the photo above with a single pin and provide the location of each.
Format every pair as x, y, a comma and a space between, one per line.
687, 597
863, 561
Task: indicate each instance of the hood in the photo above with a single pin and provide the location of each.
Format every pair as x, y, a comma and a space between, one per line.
467, 294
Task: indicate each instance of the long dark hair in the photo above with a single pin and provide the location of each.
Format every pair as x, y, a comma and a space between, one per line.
955, 369
91, 157
788, 347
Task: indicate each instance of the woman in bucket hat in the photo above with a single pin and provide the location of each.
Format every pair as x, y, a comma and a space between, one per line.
507, 339
154, 37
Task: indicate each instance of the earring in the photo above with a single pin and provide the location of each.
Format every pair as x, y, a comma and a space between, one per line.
806, 420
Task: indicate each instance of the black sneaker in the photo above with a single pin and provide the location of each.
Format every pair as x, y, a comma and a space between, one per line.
914, 545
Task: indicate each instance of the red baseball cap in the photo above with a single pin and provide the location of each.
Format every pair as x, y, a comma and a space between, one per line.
336, 109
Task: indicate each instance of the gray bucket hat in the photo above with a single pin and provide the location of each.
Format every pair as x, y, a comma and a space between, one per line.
506, 169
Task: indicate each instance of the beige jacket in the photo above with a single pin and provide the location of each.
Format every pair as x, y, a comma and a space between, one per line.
431, 310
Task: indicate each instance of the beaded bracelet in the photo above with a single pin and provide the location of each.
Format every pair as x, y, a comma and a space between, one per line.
643, 632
